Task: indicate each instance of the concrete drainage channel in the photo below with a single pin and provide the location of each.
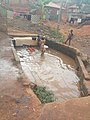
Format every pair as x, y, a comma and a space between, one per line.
75, 54
50, 71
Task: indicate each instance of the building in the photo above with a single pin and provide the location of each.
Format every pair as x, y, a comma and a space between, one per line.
73, 13
17, 5
52, 11
78, 14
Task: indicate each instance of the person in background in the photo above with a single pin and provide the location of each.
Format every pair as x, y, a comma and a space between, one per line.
70, 37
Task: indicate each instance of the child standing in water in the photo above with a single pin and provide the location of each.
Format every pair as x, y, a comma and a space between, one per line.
42, 48
41, 42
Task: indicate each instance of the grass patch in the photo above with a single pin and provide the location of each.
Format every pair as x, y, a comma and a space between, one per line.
55, 34
44, 95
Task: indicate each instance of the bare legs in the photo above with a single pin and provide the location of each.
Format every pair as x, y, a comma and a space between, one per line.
67, 41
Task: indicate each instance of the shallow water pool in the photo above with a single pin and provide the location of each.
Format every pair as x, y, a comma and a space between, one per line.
50, 71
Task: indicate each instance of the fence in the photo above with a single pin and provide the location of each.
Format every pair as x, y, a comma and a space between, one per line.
3, 19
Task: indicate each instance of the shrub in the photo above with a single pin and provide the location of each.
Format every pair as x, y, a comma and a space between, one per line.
55, 34
44, 95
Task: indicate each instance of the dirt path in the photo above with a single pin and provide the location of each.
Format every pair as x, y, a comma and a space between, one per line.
15, 102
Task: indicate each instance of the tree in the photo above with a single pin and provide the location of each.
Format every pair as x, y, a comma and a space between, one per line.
79, 1
40, 4
43, 2
86, 1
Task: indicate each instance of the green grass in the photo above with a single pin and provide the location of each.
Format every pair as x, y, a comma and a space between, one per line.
44, 95
56, 34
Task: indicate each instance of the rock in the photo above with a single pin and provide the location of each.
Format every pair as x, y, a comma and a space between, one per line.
14, 114
26, 83
34, 109
17, 100
33, 85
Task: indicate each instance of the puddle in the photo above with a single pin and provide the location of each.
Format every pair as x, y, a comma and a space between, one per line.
51, 72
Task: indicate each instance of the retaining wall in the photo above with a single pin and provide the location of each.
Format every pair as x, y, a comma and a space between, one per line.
22, 35
73, 53
15, 53
69, 51
19, 41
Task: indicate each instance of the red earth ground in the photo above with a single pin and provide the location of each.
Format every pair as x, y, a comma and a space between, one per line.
19, 103
81, 38
16, 101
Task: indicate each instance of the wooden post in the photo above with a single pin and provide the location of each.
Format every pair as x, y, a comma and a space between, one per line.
59, 16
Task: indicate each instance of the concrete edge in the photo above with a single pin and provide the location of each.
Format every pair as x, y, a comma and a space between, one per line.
26, 83
22, 35
32, 94
79, 63
72, 52
69, 50
15, 53
81, 68
75, 54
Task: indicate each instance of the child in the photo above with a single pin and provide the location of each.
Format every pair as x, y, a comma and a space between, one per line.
42, 48
69, 38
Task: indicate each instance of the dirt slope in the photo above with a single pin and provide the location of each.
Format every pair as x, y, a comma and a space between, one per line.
15, 102
76, 109
81, 38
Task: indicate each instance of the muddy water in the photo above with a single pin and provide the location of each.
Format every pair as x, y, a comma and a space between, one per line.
66, 59
50, 71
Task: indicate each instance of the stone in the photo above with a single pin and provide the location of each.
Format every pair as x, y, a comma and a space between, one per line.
26, 83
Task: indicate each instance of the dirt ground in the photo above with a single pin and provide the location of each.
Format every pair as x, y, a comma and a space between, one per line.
76, 109
81, 38
16, 101
19, 103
